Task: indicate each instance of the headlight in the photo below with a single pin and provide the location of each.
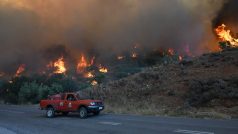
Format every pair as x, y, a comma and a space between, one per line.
92, 103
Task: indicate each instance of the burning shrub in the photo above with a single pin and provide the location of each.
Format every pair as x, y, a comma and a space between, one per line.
224, 45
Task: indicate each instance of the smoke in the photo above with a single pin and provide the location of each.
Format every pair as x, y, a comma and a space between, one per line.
28, 28
228, 15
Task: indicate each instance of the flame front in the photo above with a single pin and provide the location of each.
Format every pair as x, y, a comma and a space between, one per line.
94, 83
225, 35
180, 58
60, 66
171, 51
120, 57
103, 69
82, 64
89, 75
134, 55
20, 70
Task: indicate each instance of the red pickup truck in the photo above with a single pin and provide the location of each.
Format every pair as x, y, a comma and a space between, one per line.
70, 102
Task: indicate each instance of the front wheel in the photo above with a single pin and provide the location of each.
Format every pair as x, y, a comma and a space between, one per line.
50, 112
83, 113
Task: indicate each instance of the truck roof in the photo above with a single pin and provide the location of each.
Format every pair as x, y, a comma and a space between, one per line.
60, 96
56, 97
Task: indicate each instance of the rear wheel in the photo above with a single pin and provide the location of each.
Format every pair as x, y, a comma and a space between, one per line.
50, 112
83, 112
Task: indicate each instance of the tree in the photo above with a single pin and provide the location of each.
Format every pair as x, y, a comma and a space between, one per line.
29, 92
69, 85
55, 89
43, 91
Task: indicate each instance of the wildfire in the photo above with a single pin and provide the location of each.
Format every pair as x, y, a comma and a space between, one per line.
20, 70
170, 51
60, 66
94, 83
180, 58
134, 55
120, 57
225, 35
89, 75
103, 69
82, 64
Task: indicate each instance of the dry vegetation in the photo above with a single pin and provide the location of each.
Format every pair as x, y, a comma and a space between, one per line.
206, 86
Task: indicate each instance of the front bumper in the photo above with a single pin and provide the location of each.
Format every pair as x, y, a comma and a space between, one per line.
95, 108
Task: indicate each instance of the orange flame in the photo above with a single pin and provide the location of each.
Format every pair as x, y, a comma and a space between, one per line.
170, 51
60, 66
120, 57
89, 75
225, 35
134, 55
82, 64
94, 83
103, 69
20, 70
180, 58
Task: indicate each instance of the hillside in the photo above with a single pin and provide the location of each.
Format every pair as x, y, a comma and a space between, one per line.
205, 86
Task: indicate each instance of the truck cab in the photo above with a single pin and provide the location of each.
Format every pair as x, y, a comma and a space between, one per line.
70, 102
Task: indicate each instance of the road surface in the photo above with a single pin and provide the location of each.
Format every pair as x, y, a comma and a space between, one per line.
31, 120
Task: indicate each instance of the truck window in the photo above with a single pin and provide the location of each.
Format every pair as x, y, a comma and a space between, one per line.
71, 97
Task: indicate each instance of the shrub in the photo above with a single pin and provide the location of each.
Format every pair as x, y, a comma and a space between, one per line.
55, 88
67, 84
203, 91
44, 91
34, 92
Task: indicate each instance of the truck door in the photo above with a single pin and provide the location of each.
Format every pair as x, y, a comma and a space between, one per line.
63, 103
71, 103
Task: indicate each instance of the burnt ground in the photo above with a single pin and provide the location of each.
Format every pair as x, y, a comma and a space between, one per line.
205, 86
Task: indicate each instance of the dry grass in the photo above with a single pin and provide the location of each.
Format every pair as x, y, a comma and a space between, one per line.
165, 89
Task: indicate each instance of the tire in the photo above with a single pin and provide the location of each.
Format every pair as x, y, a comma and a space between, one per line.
65, 113
50, 112
83, 113
96, 113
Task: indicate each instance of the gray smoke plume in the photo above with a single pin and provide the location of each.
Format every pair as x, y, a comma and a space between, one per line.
101, 27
